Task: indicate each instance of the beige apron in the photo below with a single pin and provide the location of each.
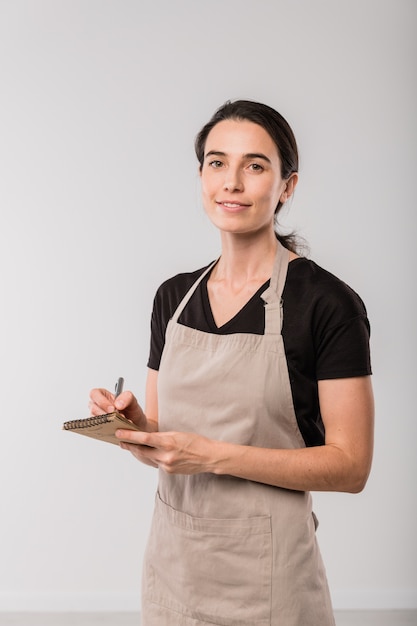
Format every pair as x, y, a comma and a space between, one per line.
223, 550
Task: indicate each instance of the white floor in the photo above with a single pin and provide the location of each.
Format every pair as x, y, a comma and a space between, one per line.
343, 618
376, 618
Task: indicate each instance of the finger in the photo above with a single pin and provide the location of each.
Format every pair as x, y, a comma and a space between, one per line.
99, 410
135, 437
125, 400
98, 394
103, 399
138, 454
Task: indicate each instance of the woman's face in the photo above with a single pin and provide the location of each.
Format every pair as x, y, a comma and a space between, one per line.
241, 177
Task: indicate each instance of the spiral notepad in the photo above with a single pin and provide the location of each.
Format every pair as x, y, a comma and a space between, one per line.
100, 427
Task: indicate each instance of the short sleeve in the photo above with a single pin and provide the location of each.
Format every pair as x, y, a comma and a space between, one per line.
342, 335
166, 301
158, 326
344, 351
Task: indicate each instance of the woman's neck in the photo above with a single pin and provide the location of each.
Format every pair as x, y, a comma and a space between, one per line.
245, 259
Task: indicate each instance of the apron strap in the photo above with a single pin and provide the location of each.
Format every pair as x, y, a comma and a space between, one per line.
190, 292
273, 295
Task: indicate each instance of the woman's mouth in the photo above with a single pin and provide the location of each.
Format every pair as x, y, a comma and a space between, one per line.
232, 206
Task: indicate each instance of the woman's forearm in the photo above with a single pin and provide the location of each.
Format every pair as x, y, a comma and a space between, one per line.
320, 468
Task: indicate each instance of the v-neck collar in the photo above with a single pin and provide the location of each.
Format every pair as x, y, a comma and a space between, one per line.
230, 323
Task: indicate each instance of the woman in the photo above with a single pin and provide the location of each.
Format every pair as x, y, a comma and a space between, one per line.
258, 392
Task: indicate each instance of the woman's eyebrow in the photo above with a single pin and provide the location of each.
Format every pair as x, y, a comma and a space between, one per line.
215, 153
249, 155
257, 155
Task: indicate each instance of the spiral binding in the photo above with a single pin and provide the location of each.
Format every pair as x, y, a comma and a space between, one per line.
87, 422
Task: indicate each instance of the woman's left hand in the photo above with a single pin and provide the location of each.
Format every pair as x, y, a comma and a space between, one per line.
173, 452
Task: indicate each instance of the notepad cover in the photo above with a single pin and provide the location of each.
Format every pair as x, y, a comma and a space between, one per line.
100, 427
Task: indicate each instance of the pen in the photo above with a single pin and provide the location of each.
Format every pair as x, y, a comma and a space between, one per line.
118, 387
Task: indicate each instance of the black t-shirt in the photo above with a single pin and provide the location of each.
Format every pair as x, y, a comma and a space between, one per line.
325, 331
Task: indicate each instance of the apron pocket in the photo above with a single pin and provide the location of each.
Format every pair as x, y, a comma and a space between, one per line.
215, 571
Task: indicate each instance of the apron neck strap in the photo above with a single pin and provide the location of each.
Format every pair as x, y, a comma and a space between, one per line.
273, 295
190, 292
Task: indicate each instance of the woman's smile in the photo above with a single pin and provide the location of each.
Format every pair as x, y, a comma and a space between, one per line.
232, 206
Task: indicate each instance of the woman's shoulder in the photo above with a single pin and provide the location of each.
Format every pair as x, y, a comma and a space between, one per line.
173, 289
320, 288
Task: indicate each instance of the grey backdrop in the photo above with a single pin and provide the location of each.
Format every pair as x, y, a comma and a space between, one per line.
99, 199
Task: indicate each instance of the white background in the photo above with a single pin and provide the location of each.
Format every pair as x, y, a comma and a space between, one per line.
99, 200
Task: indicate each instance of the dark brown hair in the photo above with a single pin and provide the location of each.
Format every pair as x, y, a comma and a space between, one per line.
277, 128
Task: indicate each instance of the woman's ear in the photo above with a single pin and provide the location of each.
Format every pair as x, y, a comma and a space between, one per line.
290, 185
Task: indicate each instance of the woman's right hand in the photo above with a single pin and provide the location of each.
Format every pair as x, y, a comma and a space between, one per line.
103, 401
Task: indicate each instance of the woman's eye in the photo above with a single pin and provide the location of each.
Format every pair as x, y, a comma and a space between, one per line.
215, 163
256, 167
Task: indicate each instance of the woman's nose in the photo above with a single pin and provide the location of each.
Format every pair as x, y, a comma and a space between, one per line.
233, 180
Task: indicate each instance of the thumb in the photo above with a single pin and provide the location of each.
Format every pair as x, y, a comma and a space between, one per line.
125, 400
